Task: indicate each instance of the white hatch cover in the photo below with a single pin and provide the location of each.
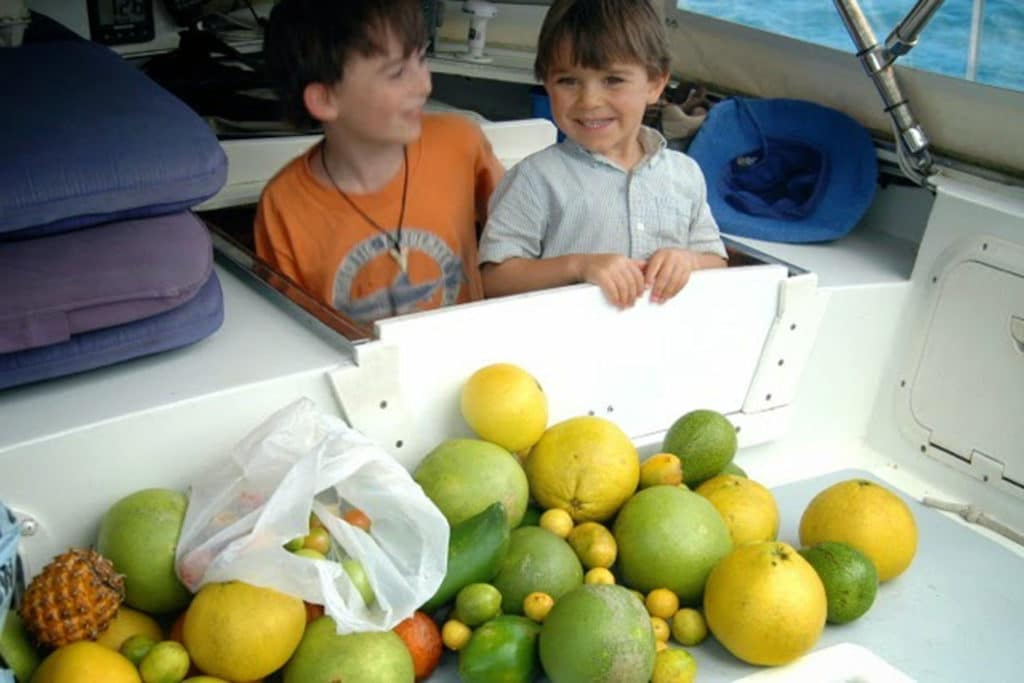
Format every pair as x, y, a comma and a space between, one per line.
969, 388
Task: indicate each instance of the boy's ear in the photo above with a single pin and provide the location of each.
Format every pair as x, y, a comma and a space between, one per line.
319, 101
655, 86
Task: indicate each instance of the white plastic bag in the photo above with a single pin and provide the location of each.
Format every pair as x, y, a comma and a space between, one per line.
244, 509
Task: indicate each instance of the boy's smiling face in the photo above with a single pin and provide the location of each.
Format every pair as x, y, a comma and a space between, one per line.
381, 97
603, 109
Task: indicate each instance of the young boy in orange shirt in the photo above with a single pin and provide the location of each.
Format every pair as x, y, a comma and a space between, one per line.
381, 217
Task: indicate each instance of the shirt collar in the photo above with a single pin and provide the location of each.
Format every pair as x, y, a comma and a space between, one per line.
651, 142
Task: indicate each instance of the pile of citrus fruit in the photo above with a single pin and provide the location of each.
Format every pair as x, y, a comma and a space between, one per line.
570, 556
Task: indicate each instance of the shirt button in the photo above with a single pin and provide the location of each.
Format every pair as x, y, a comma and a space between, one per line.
640, 227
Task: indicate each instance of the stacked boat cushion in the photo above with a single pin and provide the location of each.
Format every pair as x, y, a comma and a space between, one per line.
100, 259
88, 139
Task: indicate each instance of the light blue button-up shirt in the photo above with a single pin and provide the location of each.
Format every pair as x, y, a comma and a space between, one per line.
566, 200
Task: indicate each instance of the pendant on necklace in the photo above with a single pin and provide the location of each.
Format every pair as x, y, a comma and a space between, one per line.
401, 256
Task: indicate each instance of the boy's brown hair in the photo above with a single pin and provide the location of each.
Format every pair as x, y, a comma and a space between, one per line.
309, 41
600, 32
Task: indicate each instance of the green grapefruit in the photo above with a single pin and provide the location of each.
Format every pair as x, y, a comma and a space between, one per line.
599, 634
371, 657
464, 476
537, 561
669, 537
139, 534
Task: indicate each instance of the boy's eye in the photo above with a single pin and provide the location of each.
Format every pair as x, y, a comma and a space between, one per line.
565, 80
614, 80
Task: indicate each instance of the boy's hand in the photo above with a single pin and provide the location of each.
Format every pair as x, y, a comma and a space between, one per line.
668, 270
619, 277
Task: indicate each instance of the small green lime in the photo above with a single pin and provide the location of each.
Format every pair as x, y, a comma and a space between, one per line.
733, 468
477, 603
136, 647
166, 662
849, 577
705, 442
689, 627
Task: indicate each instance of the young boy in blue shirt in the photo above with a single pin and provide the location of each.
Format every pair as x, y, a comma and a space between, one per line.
611, 205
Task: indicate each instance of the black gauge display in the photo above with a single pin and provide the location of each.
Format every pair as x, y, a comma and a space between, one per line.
116, 22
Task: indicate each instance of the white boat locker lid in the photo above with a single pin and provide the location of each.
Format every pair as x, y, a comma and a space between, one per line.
968, 391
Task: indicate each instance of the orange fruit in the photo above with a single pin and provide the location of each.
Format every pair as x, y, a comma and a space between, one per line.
867, 516
357, 517
423, 640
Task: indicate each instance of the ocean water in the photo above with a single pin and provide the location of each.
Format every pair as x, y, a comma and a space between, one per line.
942, 47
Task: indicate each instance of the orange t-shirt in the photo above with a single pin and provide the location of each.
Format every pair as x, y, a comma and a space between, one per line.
308, 232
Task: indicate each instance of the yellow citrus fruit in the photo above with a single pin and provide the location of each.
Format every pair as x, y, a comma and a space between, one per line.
672, 665
585, 465
504, 404
558, 522
661, 602
594, 545
242, 632
455, 635
127, 623
537, 605
867, 516
661, 629
599, 575
689, 627
661, 469
748, 508
85, 662
765, 603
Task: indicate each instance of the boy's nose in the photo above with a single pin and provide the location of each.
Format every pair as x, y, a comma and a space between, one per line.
589, 96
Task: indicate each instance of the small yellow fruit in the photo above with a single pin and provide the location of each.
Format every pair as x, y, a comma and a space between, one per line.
674, 665
537, 605
661, 602
661, 469
85, 662
127, 623
867, 516
599, 575
660, 645
748, 508
558, 522
585, 465
765, 603
505, 405
242, 632
455, 635
594, 545
661, 629
689, 627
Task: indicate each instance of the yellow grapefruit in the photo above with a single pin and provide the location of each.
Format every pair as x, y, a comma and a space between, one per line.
85, 662
127, 623
584, 465
765, 603
867, 516
505, 405
241, 632
748, 508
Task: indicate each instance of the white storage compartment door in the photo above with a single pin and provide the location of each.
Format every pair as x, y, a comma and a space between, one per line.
642, 367
969, 389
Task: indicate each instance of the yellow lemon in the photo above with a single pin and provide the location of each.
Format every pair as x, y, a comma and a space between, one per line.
242, 632
659, 469
85, 662
673, 665
765, 603
748, 508
558, 522
505, 405
594, 545
867, 516
585, 465
127, 623
661, 602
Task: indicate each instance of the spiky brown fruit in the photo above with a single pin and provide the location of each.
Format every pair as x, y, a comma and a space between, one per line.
74, 598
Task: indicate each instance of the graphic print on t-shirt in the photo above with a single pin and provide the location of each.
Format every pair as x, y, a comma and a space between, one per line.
441, 277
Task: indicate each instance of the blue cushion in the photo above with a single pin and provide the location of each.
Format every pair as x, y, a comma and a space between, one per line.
57, 286
197, 318
87, 138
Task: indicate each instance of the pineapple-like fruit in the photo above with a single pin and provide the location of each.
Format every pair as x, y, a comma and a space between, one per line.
74, 598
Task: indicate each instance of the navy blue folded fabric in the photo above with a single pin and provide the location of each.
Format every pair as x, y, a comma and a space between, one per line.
194, 320
89, 139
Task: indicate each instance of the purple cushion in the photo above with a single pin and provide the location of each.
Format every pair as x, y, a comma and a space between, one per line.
196, 319
54, 287
88, 139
